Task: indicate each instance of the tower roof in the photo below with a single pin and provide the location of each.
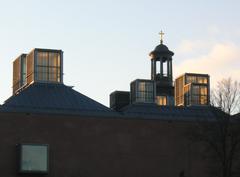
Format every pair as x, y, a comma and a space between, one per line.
161, 49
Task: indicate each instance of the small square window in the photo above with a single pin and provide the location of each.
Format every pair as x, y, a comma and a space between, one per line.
33, 158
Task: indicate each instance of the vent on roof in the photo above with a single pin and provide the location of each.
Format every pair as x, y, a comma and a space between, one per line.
119, 99
40, 65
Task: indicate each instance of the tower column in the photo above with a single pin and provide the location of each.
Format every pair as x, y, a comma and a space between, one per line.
168, 69
153, 70
161, 68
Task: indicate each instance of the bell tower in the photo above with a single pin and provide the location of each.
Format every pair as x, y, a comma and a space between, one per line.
161, 73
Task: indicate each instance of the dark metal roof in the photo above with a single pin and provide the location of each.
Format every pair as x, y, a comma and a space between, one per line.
161, 49
57, 98
62, 99
153, 111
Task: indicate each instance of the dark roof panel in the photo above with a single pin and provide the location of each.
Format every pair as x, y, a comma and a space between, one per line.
61, 99
39, 96
153, 111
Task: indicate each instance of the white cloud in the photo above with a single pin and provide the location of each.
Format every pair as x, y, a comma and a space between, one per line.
221, 61
187, 46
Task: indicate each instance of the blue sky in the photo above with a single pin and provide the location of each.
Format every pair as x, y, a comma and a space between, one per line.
106, 43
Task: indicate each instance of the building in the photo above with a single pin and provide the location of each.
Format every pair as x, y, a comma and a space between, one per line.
40, 65
159, 89
192, 89
162, 74
89, 140
49, 129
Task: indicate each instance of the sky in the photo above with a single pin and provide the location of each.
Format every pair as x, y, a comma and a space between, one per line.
106, 43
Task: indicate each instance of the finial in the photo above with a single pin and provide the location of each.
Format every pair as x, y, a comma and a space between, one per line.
161, 35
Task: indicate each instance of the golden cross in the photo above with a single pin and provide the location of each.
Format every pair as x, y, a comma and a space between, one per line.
161, 35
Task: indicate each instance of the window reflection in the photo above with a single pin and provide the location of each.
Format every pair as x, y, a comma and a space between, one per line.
195, 94
34, 158
23, 71
145, 92
48, 67
196, 79
161, 100
142, 91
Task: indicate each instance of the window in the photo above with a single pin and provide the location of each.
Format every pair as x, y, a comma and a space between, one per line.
33, 158
48, 67
199, 94
190, 79
202, 80
187, 95
23, 71
196, 79
161, 100
145, 92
